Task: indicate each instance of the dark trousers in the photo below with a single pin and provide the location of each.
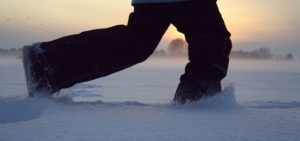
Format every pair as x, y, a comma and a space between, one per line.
97, 53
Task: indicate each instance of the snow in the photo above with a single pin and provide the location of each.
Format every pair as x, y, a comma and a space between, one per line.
260, 102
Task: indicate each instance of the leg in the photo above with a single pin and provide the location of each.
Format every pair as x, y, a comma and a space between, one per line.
97, 53
86, 56
209, 48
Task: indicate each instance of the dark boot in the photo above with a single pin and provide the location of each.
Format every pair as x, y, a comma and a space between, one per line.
35, 71
192, 89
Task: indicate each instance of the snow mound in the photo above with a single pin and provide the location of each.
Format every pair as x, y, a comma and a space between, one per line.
16, 109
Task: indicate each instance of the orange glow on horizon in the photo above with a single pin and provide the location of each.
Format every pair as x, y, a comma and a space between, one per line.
248, 21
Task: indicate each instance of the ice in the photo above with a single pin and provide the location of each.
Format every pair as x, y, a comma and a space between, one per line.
257, 103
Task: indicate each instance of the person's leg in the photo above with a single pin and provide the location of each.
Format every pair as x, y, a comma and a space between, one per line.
93, 54
209, 48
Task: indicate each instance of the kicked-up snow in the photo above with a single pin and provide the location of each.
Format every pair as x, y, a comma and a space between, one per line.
258, 103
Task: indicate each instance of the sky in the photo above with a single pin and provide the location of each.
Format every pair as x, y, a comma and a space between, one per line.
253, 23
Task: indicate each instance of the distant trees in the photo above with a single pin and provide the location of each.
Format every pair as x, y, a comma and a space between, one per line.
176, 48
13, 52
179, 48
261, 53
289, 56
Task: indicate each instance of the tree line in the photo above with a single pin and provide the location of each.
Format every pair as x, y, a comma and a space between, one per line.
13, 52
179, 48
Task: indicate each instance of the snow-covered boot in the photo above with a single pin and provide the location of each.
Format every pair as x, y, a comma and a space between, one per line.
35, 68
192, 89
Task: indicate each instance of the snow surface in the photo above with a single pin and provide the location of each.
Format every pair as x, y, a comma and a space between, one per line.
260, 102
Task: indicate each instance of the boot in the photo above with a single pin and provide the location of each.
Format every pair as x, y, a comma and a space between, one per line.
192, 89
35, 71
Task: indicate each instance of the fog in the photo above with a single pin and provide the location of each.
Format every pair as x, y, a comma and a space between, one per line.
244, 65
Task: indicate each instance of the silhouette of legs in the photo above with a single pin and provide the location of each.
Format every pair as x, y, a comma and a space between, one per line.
97, 53
209, 48
207, 37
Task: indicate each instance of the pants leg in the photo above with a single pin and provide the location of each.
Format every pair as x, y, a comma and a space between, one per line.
97, 53
208, 39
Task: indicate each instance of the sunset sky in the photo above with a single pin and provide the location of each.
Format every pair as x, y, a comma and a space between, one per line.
253, 23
